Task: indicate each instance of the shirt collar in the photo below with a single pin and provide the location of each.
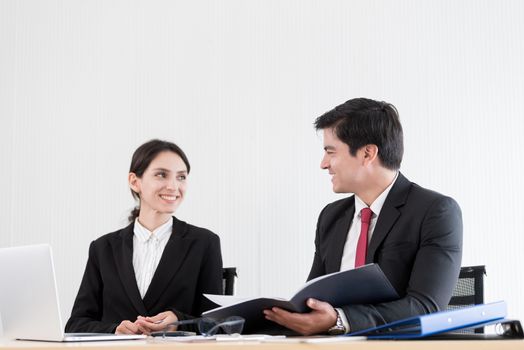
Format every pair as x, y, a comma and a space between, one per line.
377, 204
161, 232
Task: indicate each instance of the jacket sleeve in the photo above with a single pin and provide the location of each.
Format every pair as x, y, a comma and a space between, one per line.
317, 268
209, 281
433, 276
87, 309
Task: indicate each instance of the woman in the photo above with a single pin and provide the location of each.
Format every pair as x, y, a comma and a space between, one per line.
154, 271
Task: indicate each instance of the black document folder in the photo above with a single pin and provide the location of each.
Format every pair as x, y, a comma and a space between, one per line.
364, 285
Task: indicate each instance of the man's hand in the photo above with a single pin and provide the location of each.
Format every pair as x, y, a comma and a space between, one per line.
322, 317
146, 325
127, 327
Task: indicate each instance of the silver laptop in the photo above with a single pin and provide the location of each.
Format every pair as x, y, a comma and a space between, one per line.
29, 306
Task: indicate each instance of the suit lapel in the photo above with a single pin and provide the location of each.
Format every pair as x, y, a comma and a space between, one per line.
172, 259
388, 214
123, 253
340, 231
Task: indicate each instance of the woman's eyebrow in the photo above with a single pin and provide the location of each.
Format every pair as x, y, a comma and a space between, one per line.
162, 169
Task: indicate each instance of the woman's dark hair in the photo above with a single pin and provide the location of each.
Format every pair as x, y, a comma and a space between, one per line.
143, 156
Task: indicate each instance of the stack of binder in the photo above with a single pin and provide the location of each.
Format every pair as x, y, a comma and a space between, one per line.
439, 322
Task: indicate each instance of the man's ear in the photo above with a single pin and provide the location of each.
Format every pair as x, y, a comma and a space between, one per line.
134, 182
370, 153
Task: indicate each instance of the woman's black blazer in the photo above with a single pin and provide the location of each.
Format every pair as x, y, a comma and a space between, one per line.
191, 264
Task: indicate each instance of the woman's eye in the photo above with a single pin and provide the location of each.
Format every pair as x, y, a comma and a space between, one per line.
181, 177
162, 175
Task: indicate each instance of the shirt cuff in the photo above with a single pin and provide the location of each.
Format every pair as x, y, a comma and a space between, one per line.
344, 319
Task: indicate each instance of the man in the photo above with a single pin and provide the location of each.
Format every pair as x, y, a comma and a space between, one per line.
413, 234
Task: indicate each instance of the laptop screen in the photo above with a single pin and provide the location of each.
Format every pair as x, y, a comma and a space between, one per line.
28, 298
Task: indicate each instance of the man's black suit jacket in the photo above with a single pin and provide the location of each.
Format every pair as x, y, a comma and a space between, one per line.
417, 242
191, 264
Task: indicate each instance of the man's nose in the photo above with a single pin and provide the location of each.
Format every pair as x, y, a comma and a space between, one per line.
324, 163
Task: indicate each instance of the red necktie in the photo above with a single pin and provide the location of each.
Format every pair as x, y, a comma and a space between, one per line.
362, 245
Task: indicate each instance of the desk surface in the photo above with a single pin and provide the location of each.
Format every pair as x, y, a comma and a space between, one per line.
349, 345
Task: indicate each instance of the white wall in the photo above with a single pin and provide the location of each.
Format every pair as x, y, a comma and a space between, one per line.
238, 84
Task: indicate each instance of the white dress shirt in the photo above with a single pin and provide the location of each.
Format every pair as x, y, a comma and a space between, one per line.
147, 250
350, 247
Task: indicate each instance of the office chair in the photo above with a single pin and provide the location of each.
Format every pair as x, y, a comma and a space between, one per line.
469, 290
228, 280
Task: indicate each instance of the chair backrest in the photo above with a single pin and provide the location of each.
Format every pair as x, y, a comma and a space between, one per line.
228, 280
469, 289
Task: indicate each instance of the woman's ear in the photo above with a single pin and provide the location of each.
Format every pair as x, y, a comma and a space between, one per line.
134, 182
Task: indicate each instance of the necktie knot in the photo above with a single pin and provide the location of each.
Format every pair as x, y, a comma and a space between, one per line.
365, 215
